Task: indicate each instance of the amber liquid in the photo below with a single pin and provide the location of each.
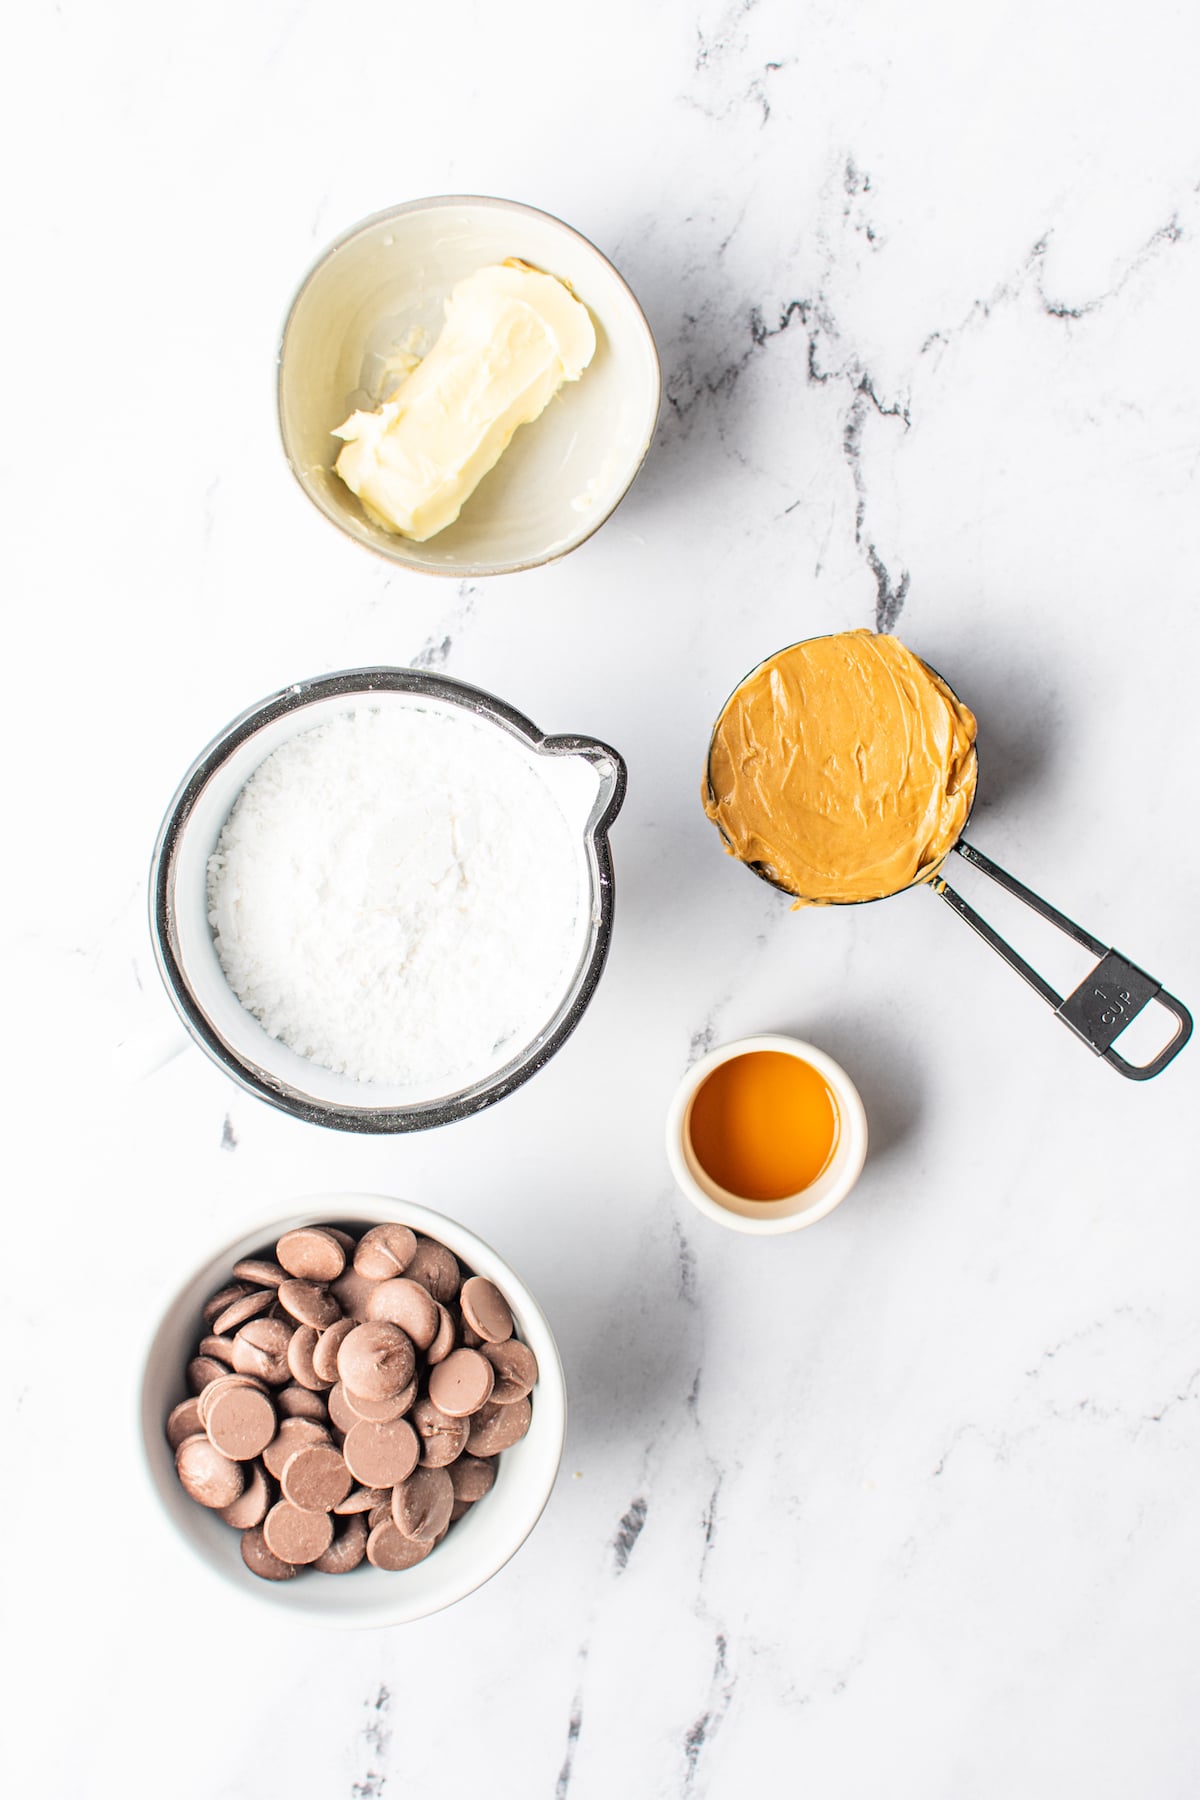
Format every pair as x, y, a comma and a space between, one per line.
764, 1125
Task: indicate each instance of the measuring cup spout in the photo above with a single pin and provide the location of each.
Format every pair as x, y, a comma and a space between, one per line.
607, 765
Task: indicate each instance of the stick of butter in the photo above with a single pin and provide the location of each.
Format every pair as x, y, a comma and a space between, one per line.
512, 337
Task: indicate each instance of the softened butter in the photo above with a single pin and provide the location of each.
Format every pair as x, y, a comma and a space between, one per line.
512, 337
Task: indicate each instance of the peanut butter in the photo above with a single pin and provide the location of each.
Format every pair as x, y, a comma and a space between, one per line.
843, 768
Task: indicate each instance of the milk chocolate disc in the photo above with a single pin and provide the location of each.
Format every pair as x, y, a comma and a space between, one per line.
210, 1478
295, 1536
495, 1428
410, 1306
460, 1385
240, 1421
259, 1271
324, 1356
219, 1348
436, 1269
293, 1434
364, 1500
486, 1310
225, 1297
183, 1421
203, 1369
352, 1293
380, 1411
208, 1394
384, 1251
251, 1506
301, 1347
446, 1338
381, 1455
376, 1360
388, 1548
311, 1254
315, 1478
300, 1403
442, 1438
310, 1303
340, 1413
347, 1549
246, 1306
260, 1348
421, 1505
471, 1477
515, 1368
259, 1560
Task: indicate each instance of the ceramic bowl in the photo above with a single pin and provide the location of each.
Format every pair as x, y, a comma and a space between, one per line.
382, 288
473, 1550
765, 1218
585, 778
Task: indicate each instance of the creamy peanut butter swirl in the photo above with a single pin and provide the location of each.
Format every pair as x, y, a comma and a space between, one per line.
843, 767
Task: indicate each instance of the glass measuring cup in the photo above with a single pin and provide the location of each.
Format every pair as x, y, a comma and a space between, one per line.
587, 780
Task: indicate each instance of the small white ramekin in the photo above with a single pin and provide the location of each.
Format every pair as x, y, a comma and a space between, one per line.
765, 1218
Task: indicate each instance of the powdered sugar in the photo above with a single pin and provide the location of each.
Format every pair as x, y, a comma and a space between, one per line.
398, 896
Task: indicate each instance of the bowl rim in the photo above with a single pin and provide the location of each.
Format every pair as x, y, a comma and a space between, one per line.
474, 570
352, 683
769, 1218
551, 1392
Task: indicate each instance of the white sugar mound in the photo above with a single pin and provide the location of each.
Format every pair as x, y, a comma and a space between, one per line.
397, 895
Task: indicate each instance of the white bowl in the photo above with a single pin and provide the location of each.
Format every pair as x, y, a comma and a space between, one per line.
474, 1549
765, 1218
561, 476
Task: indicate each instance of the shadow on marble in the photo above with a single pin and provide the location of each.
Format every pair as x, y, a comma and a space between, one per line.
1020, 722
874, 1061
633, 1360
707, 337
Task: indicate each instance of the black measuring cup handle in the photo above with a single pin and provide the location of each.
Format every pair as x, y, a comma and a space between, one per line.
1106, 1000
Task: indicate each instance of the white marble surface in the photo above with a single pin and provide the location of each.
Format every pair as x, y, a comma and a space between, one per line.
904, 1505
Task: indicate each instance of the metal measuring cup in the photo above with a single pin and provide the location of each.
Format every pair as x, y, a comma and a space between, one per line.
1098, 1010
